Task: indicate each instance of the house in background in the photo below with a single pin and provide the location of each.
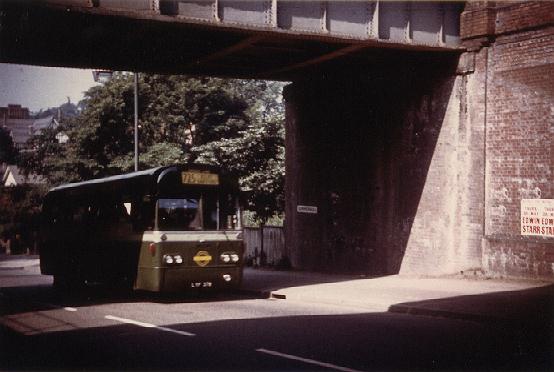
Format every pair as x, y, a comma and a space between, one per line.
45, 123
22, 130
12, 176
18, 121
19, 129
22, 127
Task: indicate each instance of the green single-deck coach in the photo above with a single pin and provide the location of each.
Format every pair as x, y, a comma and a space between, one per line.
165, 229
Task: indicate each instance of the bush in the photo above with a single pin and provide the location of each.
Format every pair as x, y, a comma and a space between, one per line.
20, 208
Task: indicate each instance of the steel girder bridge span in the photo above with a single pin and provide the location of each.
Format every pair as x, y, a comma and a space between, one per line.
265, 39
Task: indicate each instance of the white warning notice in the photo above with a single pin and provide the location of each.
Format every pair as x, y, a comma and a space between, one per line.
537, 217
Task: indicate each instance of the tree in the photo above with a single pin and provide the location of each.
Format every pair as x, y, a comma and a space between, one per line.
48, 157
8, 151
62, 112
257, 156
235, 124
19, 213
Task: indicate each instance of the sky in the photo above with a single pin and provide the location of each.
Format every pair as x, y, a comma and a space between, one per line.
42, 87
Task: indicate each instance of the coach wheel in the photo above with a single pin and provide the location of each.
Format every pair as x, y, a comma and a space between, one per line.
66, 283
61, 283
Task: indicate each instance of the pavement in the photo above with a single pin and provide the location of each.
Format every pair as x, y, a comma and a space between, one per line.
476, 299
18, 262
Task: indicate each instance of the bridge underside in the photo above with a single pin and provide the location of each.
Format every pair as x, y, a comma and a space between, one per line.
298, 39
415, 160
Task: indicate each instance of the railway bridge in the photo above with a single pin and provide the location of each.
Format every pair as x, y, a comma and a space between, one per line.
418, 134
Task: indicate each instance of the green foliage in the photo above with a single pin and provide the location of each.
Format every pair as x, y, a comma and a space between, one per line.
257, 157
251, 219
48, 157
8, 151
156, 155
20, 210
235, 124
63, 111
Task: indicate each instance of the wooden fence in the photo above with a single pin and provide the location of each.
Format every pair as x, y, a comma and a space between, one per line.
272, 246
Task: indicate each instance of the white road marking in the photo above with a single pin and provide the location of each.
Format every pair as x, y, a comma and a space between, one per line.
70, 309
305, 360
148, 325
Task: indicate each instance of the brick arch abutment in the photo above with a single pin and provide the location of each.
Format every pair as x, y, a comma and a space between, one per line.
387, 160
421, 168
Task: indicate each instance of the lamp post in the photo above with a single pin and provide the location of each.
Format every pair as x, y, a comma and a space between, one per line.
136, 121
102, 76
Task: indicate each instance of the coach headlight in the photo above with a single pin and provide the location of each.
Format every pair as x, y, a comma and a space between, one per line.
178, 259
235, 258
225, 257
168, 259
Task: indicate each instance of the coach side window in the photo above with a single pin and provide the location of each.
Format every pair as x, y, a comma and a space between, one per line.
142, 216
79, 214
52, 217
60, 216
230, 213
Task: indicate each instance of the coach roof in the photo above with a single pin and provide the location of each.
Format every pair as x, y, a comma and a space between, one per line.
106, 180
150, 175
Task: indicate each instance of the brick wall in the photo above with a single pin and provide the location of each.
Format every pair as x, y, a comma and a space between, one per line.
519, 113
14, 112
477, 20
513, 17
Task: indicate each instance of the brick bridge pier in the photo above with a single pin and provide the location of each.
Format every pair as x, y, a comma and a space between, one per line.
421, 167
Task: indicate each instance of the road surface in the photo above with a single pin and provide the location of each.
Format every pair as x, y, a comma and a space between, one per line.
106, 330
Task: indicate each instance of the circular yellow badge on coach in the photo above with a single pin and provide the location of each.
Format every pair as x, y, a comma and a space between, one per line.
202, 258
